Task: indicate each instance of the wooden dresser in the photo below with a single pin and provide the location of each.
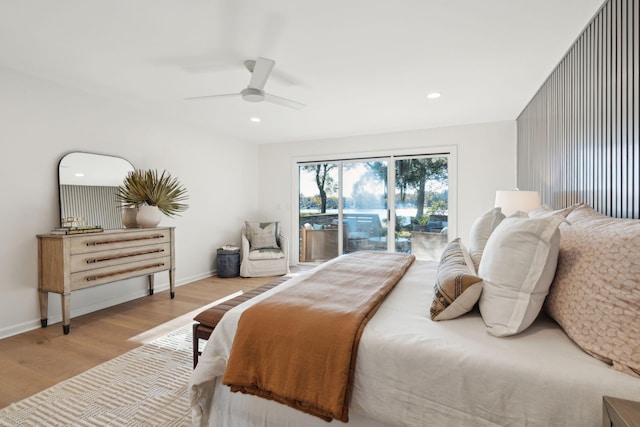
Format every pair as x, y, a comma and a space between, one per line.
67, 263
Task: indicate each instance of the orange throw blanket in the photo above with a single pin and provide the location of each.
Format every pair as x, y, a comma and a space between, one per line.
298, 347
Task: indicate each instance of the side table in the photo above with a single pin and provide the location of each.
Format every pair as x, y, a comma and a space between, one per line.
620, 413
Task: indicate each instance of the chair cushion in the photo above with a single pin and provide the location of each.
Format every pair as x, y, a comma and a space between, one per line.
265, 253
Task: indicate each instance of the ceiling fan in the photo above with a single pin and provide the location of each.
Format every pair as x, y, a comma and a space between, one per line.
260, 70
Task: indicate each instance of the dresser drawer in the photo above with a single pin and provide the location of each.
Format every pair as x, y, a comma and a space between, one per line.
99, 276
109, 258
101, 242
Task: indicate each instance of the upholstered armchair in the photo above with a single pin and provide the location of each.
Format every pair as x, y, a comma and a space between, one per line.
264, 250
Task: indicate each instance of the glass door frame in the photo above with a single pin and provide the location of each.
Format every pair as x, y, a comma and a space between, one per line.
391, 155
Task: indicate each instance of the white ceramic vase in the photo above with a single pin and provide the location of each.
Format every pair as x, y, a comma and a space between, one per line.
129, 217
148, 216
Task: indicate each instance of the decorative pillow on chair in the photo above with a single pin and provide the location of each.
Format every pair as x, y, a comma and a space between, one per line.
480, 232
518, 265
457, 287
262, 235
595, 296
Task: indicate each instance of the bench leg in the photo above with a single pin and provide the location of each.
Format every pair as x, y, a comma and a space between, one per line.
196, 344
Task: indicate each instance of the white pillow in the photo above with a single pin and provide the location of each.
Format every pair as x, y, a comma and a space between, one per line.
518, 265
480, 232
544, 210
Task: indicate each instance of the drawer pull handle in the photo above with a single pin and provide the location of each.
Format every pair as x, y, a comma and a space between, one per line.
108, 242
115, 273
109, 258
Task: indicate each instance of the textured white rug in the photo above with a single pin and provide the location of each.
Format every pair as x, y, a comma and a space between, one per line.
145, 387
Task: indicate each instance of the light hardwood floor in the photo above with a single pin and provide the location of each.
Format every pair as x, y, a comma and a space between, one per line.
35, 360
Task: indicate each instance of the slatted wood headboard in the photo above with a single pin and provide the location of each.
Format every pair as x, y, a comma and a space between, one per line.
578, 138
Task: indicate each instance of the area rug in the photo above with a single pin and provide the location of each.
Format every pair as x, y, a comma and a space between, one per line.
148, 386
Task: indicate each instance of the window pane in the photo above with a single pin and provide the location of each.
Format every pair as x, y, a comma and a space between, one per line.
421, 205
364, 196
318, 207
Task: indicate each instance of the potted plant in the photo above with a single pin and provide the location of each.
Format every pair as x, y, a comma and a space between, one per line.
153, 195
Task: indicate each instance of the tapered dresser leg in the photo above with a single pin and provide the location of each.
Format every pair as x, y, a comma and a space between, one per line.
43, 297
172, 279
66, 312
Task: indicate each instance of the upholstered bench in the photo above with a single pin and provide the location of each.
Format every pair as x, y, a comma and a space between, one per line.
206, 321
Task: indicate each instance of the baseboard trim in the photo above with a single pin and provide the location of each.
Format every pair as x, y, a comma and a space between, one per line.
136, 293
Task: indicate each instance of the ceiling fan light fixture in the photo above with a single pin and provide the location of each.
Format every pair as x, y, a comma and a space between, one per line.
252, 94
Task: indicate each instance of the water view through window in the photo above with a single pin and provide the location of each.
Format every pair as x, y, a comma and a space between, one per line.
344, 206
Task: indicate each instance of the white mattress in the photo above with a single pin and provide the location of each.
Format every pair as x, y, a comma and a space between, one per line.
412, 371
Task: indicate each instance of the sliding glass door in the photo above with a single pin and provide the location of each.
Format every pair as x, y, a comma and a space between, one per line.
421, 204
344, 206
364, 206
318, 211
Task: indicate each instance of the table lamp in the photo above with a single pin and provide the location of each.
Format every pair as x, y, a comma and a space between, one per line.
516, 200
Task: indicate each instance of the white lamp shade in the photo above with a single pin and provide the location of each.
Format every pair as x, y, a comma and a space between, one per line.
516, 200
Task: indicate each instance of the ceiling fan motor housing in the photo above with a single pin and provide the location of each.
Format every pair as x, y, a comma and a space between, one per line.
252, 94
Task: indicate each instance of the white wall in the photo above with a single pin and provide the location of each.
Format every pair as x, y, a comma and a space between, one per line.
42, 121
486, 162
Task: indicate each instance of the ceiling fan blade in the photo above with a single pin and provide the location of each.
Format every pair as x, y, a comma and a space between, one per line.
260, 73
283, 101
205, 97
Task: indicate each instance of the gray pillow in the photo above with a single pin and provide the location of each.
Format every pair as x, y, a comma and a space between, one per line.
262, 235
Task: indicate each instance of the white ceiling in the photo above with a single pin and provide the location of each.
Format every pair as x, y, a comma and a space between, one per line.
360, 66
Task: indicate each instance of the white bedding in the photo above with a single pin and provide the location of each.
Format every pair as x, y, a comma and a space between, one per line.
412, 371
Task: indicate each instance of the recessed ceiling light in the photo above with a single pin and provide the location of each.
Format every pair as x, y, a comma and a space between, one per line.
433, 95
79, 174
256, 119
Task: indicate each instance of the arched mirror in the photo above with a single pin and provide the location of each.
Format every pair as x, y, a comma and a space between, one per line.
88, 183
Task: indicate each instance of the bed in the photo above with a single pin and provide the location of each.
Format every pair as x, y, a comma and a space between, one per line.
412, 371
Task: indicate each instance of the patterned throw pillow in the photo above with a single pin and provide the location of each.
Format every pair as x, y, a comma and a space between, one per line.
518, 265
457, 287
262, 235
595, 296
480, 232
